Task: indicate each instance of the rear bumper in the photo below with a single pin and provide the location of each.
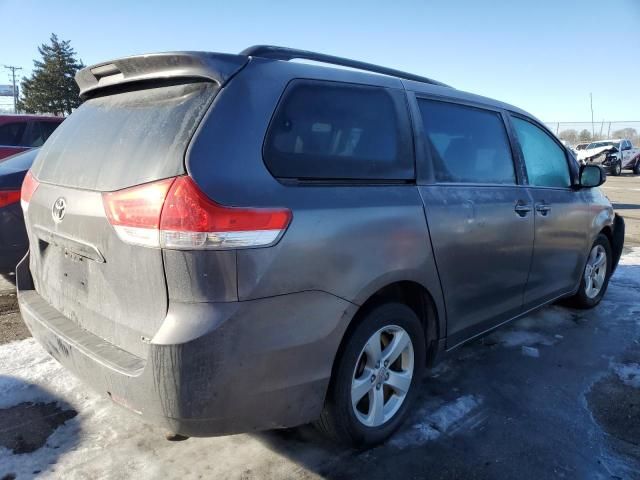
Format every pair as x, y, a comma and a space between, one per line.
212, 368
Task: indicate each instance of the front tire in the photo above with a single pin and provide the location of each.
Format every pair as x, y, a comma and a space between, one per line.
616, 169
636, 167
596, 275
376, 377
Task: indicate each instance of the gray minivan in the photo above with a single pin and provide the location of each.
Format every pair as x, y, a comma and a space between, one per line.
229, 243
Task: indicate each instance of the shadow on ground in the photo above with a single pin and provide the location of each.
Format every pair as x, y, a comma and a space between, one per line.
539, 398
35, 431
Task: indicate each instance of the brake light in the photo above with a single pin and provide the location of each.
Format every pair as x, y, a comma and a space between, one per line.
135, 212
7, 197
176, 214
29, 186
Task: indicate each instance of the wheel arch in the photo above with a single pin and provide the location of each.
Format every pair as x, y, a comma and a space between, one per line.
615, 235
417, 297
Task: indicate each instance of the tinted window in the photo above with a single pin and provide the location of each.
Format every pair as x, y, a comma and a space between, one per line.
11, 134
38, 133
338, 131
467, 144
42, 131
124, 139
545, 160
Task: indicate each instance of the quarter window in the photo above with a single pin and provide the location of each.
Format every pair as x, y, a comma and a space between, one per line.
468, 145
546, 162
328, 130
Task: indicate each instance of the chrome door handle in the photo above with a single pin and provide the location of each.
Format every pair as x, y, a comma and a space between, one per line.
522, 209
543, 208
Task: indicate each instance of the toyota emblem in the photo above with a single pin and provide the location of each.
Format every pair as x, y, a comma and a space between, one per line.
58, 210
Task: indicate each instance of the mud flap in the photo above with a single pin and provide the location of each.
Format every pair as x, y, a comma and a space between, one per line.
618, 240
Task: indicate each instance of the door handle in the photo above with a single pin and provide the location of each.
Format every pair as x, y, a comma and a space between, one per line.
543, 208
522, 209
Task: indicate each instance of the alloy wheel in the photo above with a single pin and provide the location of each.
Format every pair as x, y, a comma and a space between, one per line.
382, 376
595, 272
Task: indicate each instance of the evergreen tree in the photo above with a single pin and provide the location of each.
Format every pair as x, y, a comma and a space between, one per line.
584, 136
52, 88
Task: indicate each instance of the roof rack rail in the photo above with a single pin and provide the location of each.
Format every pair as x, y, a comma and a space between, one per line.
284, 53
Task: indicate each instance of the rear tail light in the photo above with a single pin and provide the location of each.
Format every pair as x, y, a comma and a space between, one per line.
176, 214
7, 197
135, 212
29, 186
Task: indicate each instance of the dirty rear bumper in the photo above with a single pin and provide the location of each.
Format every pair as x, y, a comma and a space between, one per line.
212, 368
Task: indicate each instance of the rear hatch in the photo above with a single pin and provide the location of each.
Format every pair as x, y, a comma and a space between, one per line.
117, 139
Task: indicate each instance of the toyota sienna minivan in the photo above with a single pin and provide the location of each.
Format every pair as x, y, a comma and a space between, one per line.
228, 243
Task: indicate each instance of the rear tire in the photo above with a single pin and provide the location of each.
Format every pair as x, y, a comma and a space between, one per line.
355, 375
594, 282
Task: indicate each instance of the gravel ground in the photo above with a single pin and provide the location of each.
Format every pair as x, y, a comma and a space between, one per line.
12, 327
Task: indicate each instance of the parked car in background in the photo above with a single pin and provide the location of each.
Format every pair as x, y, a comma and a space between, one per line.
613, 155
13, 236
22, 132
227, 243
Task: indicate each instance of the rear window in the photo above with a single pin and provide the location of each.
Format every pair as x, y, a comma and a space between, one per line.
328, 130
124, 139
468, 145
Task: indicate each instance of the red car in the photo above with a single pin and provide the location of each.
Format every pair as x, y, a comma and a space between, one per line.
22, 132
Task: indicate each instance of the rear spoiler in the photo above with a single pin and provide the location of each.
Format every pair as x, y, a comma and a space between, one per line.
216, 67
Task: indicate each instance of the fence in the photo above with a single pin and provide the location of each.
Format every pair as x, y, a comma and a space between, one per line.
582, 132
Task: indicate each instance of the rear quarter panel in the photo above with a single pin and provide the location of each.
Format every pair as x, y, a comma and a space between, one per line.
349, 241
602, 214
8, 151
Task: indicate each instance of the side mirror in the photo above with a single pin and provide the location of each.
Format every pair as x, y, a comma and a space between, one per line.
591, 176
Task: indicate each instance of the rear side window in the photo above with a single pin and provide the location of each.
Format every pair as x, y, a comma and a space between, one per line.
126, 138
328, 130
545, 160
11, 134
468, 145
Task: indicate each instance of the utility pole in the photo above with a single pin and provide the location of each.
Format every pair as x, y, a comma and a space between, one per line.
592, 127
15, 92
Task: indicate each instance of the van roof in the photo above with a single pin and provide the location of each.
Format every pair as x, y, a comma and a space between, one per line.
221, 67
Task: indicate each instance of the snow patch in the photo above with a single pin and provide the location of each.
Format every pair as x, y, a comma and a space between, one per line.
530, 351
626, 275
629, 373
434, 424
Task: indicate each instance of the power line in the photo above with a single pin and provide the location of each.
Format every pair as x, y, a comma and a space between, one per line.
15, 92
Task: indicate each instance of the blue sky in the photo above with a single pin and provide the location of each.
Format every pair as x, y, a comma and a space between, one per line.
541, 55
